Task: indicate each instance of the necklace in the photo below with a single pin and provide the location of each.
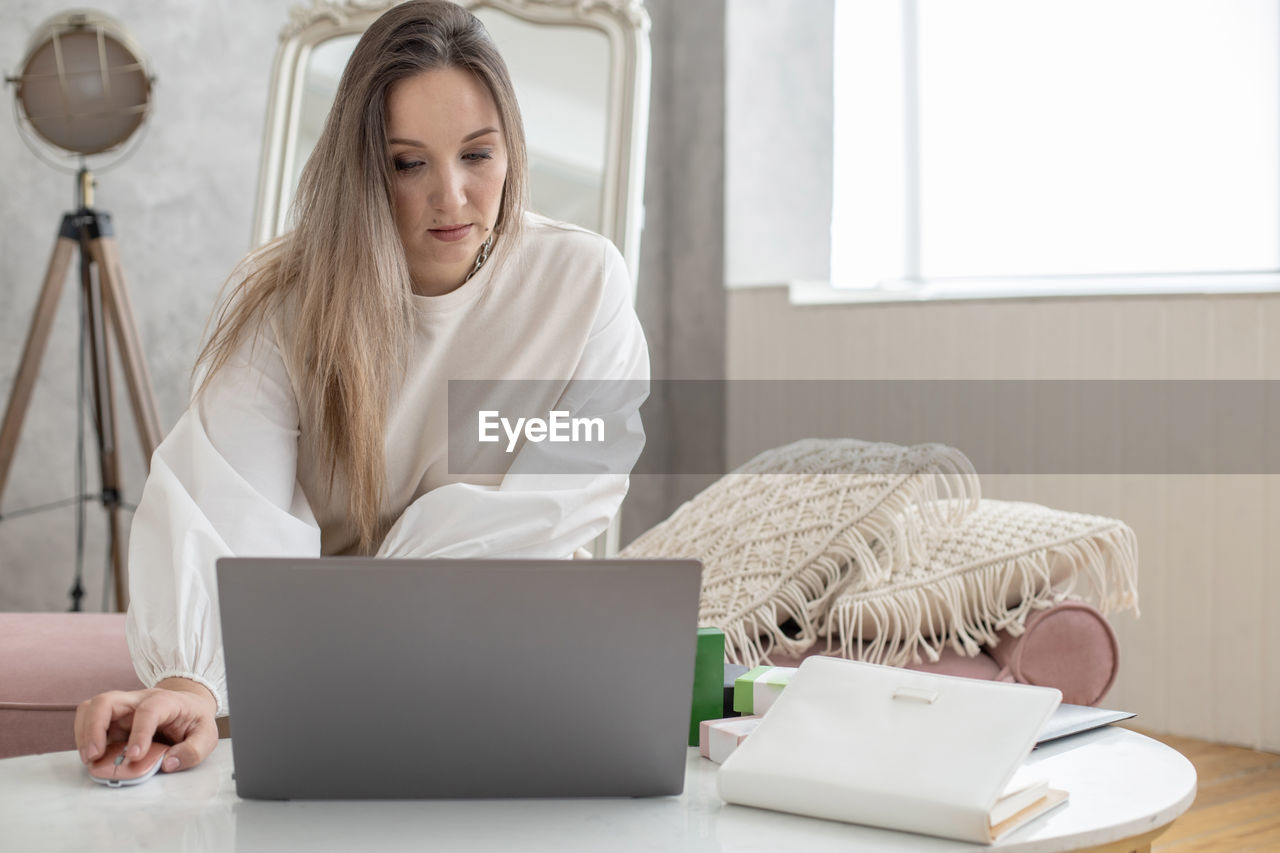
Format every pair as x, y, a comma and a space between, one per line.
480, 258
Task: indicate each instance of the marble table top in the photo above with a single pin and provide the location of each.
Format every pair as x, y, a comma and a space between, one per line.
1122, 784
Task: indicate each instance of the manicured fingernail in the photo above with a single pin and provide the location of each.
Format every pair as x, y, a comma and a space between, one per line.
90, 751
134, 750
84, 756
171, 764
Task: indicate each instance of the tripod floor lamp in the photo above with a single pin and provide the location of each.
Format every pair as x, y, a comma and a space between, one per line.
84, 89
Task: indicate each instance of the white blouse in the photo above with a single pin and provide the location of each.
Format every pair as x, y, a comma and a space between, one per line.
232, 478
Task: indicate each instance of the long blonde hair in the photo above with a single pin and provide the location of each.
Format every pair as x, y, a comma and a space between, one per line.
342, 271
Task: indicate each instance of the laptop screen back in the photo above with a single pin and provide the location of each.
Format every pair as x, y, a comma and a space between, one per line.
375, 678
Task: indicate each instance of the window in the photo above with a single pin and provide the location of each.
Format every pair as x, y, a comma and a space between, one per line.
1056, 146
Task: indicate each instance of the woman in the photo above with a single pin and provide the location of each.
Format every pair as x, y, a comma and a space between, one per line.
319, 426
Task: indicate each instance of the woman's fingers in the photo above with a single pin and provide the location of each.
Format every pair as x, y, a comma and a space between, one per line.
93, 719
119, 728
138, 716
153, 712
200, 741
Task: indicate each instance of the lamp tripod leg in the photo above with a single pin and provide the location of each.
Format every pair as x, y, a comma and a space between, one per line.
37, 341
115, 306
137, 378
109, 319
97, 341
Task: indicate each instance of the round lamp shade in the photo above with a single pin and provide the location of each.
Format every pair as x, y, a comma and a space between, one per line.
84, 85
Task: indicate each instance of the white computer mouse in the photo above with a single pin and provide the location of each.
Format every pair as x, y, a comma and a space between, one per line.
116, 771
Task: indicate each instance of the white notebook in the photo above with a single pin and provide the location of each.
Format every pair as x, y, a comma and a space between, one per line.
898, 749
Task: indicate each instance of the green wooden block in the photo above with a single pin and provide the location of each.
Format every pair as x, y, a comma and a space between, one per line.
708, 680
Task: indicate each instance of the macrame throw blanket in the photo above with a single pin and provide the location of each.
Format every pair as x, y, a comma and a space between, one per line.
780, 534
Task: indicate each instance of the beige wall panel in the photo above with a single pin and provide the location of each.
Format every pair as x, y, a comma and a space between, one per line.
1140, 338
856, 342
1009, 487
1053, 339
1269, 323
1014, 334
897, 338
1142, 686
936, 342
1269, 319
1143, 675
1189, 625
1236, 338
1269, 711
1098, 339
1186, 338
1238, 535
971, 339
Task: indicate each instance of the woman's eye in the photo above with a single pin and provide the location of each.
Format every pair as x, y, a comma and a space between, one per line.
407, 165
477, 156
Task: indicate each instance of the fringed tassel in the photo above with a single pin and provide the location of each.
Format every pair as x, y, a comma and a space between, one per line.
967, 607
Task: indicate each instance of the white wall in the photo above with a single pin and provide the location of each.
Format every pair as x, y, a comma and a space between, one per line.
777, 141
182, 207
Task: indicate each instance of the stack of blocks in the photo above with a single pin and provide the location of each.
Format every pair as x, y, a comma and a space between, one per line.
754, 692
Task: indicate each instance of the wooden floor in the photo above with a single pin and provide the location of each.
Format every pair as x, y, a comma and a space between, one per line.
1237, 805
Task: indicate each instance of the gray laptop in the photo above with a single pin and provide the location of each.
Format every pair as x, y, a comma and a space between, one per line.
399, 679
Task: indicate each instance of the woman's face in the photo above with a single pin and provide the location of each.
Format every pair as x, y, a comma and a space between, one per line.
450, 163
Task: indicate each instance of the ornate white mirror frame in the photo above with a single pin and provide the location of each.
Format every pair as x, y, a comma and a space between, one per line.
625, 25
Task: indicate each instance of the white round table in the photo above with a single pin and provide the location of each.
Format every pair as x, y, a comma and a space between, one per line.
1123, 786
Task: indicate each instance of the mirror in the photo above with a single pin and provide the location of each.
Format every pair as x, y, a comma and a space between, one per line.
581, 74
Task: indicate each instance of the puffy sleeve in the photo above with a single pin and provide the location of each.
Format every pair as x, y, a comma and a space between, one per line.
222, 483
553, 498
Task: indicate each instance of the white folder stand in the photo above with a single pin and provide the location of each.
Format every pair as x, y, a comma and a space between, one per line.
894, 748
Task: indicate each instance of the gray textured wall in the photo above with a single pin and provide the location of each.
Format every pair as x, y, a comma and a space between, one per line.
183, 207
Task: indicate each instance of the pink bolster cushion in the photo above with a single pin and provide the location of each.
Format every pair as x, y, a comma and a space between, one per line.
1069, 646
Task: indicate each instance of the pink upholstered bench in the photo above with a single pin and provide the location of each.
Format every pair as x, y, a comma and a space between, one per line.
49, 664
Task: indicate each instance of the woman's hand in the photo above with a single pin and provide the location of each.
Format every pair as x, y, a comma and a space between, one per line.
178, 709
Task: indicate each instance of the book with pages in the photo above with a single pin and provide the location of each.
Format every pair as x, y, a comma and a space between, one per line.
893, 748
